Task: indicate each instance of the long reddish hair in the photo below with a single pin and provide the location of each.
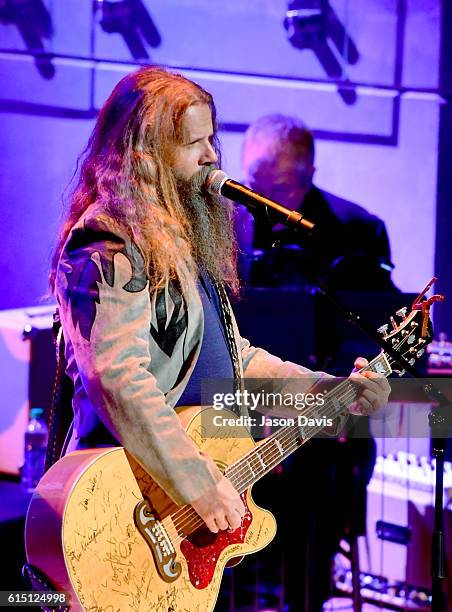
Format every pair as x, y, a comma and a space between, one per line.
126, 171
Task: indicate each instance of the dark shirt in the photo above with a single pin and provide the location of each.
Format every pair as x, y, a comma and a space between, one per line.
214, 361
348, 248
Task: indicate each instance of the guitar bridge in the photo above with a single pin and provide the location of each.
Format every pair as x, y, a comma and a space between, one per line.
158, 541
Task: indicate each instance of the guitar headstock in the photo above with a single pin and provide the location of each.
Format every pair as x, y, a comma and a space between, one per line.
409, 336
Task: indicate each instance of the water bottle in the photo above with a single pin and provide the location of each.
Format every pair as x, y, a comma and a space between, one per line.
36, 437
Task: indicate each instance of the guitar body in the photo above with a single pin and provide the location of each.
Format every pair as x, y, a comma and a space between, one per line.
82, 530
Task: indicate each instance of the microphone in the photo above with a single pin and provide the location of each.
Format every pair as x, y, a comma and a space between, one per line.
217, 182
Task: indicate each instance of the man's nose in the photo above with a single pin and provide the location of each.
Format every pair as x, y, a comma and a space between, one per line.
209, 156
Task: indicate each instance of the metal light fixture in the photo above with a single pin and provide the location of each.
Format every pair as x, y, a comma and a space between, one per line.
116, 15
306, 22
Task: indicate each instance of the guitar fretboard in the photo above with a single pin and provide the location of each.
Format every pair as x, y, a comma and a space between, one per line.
274, 449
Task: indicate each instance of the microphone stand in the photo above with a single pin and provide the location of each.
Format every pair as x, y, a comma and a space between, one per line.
439, 418
440, 421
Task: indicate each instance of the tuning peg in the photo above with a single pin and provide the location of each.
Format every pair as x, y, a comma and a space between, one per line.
402, 312
383, 330
399, 372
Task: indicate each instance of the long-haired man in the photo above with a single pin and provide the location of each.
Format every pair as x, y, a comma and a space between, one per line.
140, 272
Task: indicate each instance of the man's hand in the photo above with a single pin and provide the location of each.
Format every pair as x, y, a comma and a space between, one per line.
373, 390
221, 508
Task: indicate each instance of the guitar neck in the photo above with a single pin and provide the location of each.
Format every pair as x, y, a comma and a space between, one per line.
277, 447
273, 450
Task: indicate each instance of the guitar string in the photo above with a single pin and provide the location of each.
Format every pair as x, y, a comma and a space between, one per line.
236, 477
294, 442
242, 464
349, 386
191, 520
196, 520
243, 468
179, 518
267, 446
185, 527
291, 441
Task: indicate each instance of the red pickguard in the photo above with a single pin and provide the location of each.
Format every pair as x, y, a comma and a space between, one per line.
202, 549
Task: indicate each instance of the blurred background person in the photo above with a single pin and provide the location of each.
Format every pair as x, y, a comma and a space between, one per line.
349, 246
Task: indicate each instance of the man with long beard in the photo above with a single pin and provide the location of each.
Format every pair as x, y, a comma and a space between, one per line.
140, 273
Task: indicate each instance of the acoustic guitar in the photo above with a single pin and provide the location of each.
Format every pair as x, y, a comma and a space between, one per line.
100, 529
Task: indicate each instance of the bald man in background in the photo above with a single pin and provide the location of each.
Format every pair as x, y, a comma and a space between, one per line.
349, 246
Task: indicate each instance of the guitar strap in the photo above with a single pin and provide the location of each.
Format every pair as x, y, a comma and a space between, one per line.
37, 581
60, 413
227, 318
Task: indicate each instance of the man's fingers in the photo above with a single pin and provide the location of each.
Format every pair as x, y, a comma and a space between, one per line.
375, 377
361, 407
371, 380
364, 383
234, 520
211, 524
373, 392
367, 402
222, 522
221, 508
360, 362
383, 388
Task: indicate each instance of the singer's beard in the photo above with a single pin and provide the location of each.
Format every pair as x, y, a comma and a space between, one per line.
211, 230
